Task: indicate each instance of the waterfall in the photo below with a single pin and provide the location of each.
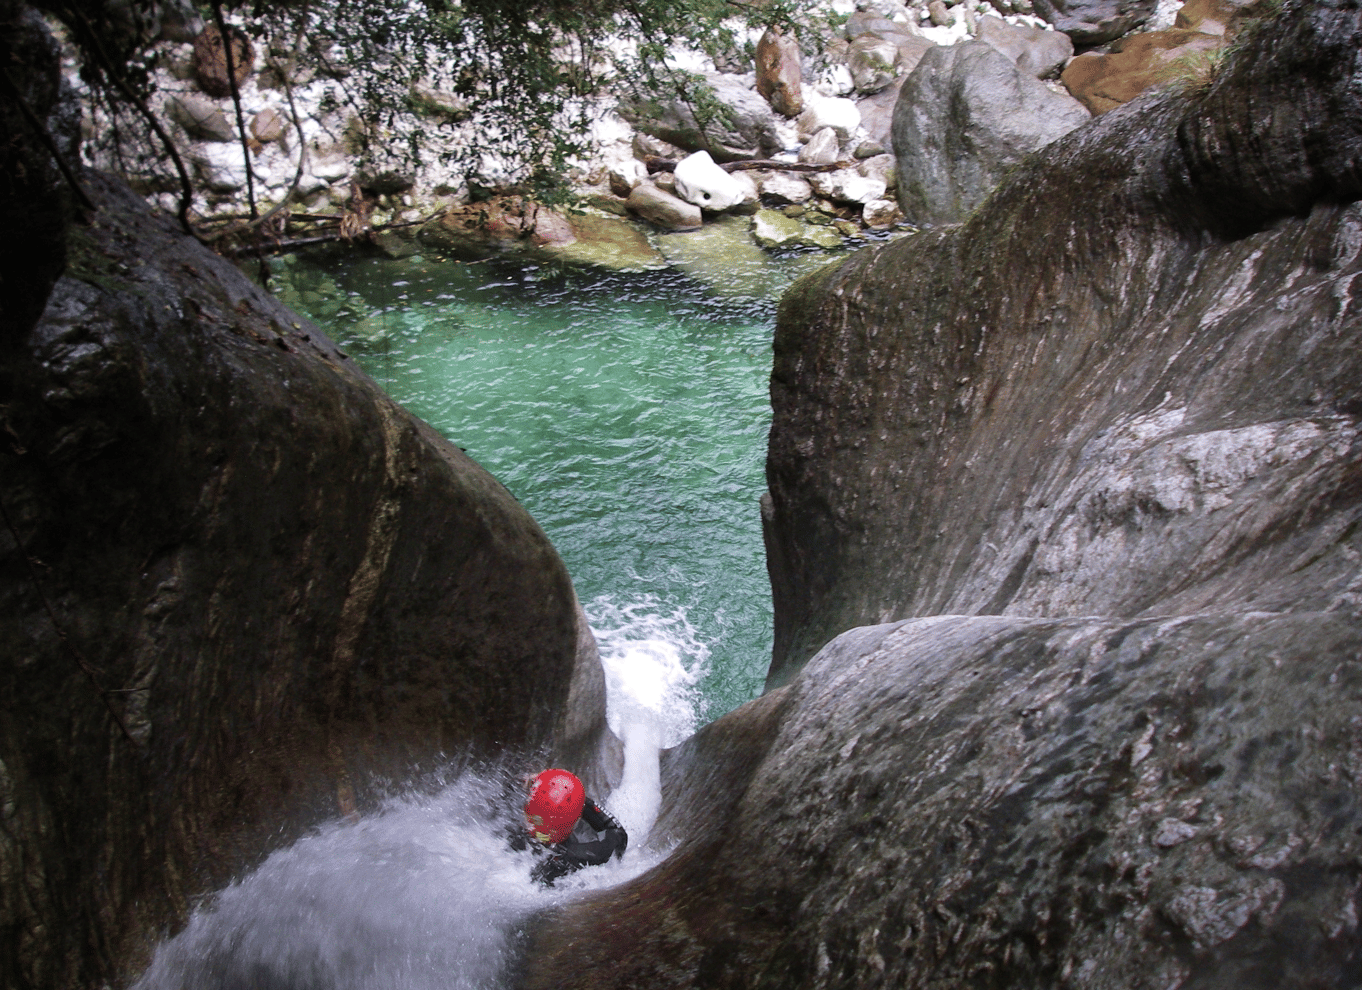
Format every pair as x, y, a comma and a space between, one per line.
426, 893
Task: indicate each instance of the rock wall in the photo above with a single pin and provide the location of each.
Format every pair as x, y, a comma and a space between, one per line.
1127, 385
239, 588
1112, 424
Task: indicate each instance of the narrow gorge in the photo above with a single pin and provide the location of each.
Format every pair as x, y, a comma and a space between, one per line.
1062, 533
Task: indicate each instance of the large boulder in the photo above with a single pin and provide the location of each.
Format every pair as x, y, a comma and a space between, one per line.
964, 117
201, 118
1035, 51
1136, 64
663, 209
779, 72
1095, 22
997, 801
703, 183
720, 115
241, 588
1063, 504
211, 57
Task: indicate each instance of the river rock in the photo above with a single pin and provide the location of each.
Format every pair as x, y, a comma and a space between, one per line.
700, 181
784, 187
881, 213
624, 176
287, 591
964, 117
660, 207
1135, 64
1070, 536
746, 127
882, 167
479, 230
269, 125
1219, 17
779, 72
847, 185
210, 60
438, 104
839, 114
821, 149
877, 113
1095, 22
874, 63
605, 242
772, 229
1034, 51
219, 166
201, 118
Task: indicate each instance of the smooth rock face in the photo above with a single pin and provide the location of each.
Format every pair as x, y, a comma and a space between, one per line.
700, 181
281, 584
964, 117
1134, 65
1064, 504
989, 801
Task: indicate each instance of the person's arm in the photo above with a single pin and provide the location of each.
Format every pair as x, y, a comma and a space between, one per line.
612, 842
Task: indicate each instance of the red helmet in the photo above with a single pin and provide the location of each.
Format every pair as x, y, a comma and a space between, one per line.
554, 805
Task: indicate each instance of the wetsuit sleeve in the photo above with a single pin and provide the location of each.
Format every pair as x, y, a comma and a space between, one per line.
613, 839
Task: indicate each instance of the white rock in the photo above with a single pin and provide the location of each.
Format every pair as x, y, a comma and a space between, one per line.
329, 168
784, 186
750, 193
882, 167
700, 181
881, 213
222, 167
847, 186
823, 148
835, 81
839, 114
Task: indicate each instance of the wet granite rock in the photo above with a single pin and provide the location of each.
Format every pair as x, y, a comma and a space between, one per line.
980, 800
239, 588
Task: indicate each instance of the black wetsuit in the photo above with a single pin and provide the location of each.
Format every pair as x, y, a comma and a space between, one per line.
570, 855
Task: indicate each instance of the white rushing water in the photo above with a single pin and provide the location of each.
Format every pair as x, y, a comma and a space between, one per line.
426, 893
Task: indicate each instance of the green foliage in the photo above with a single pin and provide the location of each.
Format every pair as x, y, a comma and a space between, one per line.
521, 73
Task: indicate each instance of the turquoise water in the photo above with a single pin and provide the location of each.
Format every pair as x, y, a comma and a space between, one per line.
627, 413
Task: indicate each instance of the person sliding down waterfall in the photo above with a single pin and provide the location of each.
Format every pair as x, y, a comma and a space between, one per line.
557, 802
